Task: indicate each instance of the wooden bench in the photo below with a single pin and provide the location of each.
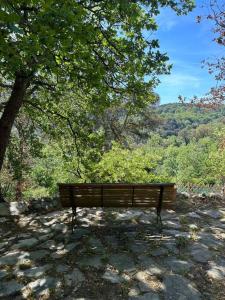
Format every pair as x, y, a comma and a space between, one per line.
158, 195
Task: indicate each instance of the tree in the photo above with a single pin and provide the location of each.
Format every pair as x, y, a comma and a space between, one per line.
94, 46
216, 96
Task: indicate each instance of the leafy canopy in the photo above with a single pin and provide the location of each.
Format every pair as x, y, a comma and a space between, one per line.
97, 45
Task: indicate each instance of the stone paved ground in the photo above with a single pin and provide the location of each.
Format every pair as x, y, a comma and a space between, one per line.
114, 254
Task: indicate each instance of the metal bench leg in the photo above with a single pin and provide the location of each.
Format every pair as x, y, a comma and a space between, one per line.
74, 213
159, 222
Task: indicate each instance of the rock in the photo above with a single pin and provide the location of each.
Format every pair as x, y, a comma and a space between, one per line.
147, 296
79, 233
26, 244
217, 270
10, 288
44, 205
60, 227
18, 208
3, 274
75, 278
143, 278
139, 247
34, 272
178, 287
39, 254
200, 253
172, 224
40, 286
122, 262
13, 258
193, 215
96, 245
171, 246
149, 265
128, 215
210, 240
50, 244
112, 276
90, 261
71, 246
215, 196
182, 196
159, 251
133, 292
4, 209
215, 214
177, 265
62, 268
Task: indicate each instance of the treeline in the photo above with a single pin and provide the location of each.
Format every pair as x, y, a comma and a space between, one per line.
116, 145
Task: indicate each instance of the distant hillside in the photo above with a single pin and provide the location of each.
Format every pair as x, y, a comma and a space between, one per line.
177, 117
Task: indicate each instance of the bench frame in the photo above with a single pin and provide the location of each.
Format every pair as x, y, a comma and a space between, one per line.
159, 206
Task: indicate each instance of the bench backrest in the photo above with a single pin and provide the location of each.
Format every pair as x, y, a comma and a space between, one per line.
117, 195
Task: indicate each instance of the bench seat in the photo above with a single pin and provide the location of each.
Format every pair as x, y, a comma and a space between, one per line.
158, 195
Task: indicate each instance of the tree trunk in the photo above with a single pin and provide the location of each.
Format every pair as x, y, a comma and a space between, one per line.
9, 115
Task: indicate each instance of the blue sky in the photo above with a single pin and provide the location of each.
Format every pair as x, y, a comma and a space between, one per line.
187, 44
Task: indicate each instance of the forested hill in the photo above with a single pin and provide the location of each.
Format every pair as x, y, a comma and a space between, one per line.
177, 118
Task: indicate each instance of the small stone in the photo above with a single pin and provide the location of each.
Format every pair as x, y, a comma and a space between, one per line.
133, 292
34, 272
178, 287
112, 276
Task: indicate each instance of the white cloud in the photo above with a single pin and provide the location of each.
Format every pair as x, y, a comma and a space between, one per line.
180, 80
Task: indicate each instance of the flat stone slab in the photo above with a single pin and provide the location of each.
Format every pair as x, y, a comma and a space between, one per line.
3, 274
34, 272
10, 288
26, 244
39, 254
94, 261
39, 286
177, 265
75, 278
112, 277
13, 258
128, 215
147, 296
200, 253
178, 287
122, 262
215, 214
217, 270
